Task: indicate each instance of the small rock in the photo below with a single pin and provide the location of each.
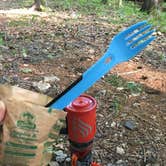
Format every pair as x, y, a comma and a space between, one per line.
91, 51
53, 163
134, 95
98, 135
153, 117
151, 156
120, 150
61, 158
100, 115
129, 124
102, 92
74, 15
109, 164
25, 65
121, 163
58, 153
120, 88
68, 159
50, 79
136, 104
59, 145
41, 86
113, 124
159, 33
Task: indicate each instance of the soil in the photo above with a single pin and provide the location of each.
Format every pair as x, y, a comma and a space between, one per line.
64, 45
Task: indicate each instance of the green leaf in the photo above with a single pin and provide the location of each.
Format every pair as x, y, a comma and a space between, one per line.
26, 70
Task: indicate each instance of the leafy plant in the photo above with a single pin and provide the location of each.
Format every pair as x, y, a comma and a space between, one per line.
162, 56
1, 39
19, 23
157, 17
134, 88
25, 3
115, 106
128, 12
115, 81
24, 53
34, 18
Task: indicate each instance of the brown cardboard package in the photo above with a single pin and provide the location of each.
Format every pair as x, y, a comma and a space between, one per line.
28, 129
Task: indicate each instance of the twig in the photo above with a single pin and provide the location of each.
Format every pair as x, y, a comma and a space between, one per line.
143, 151
130, 72
144, 120
4, 47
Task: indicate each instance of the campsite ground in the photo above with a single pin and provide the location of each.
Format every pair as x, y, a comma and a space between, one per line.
64, 44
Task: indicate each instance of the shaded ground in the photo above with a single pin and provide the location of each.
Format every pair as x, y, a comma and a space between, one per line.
65, 45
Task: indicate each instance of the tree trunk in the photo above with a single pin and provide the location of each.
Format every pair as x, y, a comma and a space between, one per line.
38, 5
120, 3
148, 5
104, 1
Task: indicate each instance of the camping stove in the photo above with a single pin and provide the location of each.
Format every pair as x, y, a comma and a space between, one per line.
81, 123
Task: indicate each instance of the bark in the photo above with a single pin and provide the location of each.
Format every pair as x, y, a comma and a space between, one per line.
148, 5
120, 3
38, 5
104, 1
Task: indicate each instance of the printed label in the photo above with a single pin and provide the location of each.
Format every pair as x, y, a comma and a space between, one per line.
24, 137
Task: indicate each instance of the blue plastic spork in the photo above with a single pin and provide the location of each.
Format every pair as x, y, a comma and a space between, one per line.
124, 46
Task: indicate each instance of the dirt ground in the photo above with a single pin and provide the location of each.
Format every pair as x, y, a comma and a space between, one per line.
64, 45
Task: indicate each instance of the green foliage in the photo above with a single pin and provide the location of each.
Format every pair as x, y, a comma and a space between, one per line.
24, 53
115, 106
128, 12
24, 21
131, 11
118, 82
1, 39
21, 22
162, 56
118, 101
158, 17
83, 6
133, 87
50, 56
25, 3
115, 81
26, 70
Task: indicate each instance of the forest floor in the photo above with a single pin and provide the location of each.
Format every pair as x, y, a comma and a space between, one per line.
64, 44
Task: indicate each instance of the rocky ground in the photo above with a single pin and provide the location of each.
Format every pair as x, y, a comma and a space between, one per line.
46, 52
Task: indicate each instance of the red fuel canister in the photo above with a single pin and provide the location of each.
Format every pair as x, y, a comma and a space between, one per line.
81, 119
81, 124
